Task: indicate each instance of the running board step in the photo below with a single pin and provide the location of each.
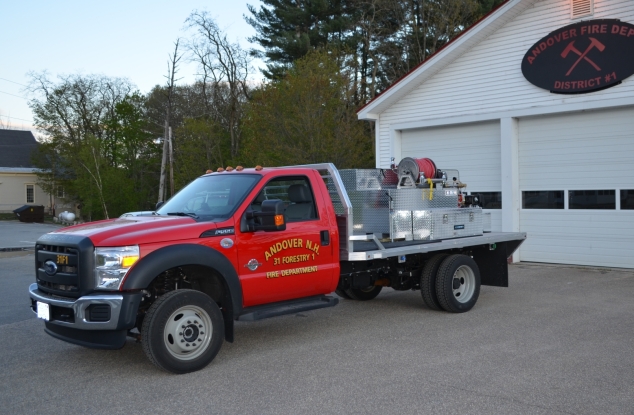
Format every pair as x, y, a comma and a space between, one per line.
287, 307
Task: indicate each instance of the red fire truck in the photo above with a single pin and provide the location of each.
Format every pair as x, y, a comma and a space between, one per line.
247, 244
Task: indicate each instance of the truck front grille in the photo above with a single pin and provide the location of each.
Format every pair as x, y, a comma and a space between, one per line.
70, 262
64, 260
57, 249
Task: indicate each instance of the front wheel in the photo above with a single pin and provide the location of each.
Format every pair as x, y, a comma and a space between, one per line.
458, 283
364, 294
182, 331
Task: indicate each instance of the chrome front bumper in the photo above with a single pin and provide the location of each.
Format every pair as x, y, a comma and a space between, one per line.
79, 309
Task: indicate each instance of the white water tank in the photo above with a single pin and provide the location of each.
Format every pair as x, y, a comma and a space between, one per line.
66, 216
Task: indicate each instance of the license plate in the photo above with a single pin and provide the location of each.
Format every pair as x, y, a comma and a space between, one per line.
43, 311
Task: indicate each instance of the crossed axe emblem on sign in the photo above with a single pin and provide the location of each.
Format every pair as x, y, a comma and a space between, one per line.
594, 43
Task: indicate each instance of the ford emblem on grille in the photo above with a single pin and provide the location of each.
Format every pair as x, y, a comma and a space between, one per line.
50, 267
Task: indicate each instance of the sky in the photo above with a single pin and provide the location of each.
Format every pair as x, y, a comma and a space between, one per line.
130, 39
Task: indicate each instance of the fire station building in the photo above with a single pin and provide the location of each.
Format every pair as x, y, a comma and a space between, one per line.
534, 105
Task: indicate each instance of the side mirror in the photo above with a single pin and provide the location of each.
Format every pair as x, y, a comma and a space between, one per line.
271, 218
159, 204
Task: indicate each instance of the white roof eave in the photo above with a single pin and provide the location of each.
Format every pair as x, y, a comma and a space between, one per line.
29, 170
442, 59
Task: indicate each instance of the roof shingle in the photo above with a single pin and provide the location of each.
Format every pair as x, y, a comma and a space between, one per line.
16, 148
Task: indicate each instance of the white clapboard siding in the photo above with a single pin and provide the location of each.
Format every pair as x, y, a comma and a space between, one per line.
487, 79
472, 149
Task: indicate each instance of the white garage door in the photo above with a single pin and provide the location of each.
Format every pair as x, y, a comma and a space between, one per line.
574, 169
472, 149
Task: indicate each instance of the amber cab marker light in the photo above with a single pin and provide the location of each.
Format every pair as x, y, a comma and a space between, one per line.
220, 170
229, 168
279, 220
258, 168
209, 171
239, 168
128, 261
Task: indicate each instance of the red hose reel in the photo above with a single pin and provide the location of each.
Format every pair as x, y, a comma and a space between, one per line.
417, 168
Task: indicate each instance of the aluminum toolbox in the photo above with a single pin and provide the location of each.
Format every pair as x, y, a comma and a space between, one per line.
456, 223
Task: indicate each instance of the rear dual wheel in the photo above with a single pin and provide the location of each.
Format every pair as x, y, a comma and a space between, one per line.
450, 283
458, 283
428, 281
363, 294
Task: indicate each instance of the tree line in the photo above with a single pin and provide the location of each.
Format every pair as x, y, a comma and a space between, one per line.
105, 141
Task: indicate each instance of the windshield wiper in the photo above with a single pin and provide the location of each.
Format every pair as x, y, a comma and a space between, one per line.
190, 214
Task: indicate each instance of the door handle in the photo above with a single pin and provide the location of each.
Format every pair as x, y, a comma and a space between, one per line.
325, 238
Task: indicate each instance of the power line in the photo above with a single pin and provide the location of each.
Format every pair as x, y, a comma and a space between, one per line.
13, 82
13, 95
15, 118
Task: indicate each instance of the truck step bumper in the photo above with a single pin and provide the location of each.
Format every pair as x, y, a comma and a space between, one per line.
287, 307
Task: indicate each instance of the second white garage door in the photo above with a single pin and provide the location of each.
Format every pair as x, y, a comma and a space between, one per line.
574, 169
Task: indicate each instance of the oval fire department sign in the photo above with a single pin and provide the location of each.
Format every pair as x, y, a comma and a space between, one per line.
582, 57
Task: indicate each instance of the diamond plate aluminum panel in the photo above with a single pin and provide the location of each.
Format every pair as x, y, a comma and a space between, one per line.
486, 222
401, 225
419, 199
371, 212
422, 224
366, 179
370, 202
455, 223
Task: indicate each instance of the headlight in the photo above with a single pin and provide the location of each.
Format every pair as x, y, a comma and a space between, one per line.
111, 265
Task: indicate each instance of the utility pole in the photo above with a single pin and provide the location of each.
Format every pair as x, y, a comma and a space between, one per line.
171, 163
172, 68
164, 161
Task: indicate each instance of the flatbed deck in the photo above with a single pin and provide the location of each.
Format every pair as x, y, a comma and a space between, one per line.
363, 245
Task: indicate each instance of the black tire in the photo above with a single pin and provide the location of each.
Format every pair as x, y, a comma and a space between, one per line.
428, 281
365, 294
343, 294
458, 283
176, 335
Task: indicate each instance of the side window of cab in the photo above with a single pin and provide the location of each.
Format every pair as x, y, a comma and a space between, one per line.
296, 193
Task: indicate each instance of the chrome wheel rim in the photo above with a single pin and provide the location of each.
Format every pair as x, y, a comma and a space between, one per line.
463, 284
188, 332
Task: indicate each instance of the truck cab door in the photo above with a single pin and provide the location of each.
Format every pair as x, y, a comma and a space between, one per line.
294, 263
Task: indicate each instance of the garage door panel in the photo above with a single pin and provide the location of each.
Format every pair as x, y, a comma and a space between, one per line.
590, 150
562, 223
472, 149
589, 146
598, 260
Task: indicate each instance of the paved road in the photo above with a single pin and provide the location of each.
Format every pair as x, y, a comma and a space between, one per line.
558, 341
15, 234
16, 274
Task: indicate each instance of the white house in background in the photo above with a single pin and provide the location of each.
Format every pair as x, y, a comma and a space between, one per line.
18, 181
558, 165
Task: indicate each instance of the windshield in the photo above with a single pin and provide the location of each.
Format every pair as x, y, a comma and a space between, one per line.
211, 197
